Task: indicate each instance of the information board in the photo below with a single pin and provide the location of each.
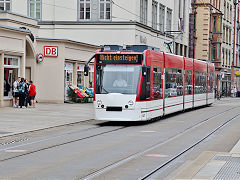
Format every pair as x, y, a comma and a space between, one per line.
119, 58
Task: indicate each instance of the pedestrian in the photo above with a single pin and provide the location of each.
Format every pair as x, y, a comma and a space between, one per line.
21, 91
6, 87
27, 99
235, 91
15, 92
32, 93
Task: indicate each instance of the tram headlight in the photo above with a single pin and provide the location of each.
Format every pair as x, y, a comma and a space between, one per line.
99, 102
130, 103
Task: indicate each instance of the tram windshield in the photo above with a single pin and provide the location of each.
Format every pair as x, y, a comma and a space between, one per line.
117, 79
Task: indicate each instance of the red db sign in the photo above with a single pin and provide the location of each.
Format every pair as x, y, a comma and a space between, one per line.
51, 51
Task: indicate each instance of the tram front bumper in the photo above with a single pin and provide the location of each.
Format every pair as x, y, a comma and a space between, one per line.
124, 115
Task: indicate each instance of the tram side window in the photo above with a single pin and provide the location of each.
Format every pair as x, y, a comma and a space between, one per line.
174, 82
157, 86
145, 91
200, 82
211, 82
189, 82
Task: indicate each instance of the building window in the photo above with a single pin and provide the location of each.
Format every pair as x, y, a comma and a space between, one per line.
227, 11
84, 9
11, 73
223, 35
224, 10
143, 11
229, 58
154, 15
34, 9
214, 24
231, 14
176, 48
214, 52
161, 17
105, 9
227, 38
223, 57
185, 51
226, 56
218, 51
5, 5
230, 36
169, 20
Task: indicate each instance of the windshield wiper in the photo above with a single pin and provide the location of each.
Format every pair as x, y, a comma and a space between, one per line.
104, 89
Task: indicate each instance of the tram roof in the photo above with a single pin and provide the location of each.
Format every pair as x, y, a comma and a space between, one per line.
127, 48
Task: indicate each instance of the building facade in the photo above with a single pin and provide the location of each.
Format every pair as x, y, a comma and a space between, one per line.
205, 39
227, 46
236, 47
158, 23
77, 28
20, 52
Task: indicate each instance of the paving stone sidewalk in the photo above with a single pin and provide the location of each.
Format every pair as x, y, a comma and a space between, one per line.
16, 120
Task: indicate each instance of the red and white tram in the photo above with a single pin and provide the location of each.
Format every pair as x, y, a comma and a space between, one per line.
139, 83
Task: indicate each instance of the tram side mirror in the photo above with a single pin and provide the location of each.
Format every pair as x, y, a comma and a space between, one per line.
144, 71
86, 70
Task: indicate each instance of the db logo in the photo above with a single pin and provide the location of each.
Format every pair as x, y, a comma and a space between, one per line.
51, 51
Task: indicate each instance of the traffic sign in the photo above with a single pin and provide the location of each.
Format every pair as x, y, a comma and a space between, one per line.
40, 58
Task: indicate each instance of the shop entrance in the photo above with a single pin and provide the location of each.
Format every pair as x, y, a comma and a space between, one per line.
11, 73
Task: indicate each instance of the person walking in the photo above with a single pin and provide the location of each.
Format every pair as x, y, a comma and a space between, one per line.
22, 91
32, 93
15, 92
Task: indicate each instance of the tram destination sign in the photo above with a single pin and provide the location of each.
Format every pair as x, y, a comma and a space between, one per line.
119, 58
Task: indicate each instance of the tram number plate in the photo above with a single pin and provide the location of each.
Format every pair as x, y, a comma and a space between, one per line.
119, 58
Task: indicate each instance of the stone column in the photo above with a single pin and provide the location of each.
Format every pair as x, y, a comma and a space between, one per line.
1, 79
75, 73
22, 66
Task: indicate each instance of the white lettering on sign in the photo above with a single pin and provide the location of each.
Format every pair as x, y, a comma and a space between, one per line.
51, 51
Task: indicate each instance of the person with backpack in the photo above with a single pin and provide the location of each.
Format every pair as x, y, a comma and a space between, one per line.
32, 93
22, 92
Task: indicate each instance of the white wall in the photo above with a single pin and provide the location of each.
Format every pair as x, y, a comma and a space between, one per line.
20, 6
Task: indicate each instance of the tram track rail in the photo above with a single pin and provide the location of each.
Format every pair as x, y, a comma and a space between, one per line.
56, 145
148, 176
123, 161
